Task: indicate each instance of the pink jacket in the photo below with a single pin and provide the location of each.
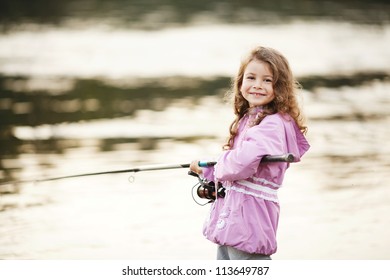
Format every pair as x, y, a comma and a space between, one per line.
247, 218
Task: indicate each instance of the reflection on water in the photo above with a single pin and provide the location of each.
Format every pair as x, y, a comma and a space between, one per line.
22, 104
96, 99
82, 99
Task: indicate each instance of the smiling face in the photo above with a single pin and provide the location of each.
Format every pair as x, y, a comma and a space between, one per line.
257, 84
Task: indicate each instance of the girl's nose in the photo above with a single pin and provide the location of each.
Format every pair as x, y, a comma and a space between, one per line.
258, 85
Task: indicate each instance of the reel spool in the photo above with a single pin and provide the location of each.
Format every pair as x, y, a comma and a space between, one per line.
206, 189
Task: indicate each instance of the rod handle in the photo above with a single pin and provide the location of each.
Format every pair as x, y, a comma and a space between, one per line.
206, 163
279, 158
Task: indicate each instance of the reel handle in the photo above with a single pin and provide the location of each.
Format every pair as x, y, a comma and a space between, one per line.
192, 173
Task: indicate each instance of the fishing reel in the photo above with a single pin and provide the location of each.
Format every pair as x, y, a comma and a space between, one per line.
206, 189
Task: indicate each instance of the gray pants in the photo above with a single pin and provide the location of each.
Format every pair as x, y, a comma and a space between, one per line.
229, 253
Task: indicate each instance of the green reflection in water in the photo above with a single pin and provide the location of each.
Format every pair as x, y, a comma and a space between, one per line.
97, 99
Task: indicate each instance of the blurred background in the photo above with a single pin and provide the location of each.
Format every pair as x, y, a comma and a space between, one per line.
89, 86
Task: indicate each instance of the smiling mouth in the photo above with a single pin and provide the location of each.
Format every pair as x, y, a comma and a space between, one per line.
257, 94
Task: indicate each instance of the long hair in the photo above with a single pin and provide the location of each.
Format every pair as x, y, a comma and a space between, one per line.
285, 88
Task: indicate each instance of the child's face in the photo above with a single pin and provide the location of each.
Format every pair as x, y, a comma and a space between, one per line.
257, 84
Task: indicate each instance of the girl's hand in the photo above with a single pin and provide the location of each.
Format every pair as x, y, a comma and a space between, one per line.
195, 167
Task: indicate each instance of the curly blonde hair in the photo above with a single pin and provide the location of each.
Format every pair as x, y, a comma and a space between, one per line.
285, 88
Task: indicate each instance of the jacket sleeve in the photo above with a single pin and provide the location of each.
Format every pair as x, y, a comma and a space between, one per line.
266, 138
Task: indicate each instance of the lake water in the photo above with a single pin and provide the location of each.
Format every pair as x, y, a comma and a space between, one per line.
87, 96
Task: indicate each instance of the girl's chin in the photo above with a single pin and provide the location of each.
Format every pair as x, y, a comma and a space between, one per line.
257, 104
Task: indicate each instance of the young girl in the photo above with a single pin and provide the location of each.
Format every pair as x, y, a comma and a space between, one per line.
268, 122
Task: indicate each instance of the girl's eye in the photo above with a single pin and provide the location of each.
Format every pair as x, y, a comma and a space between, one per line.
268, 80
250, 78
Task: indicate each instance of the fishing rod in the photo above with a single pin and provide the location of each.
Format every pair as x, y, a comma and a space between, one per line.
265, 159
